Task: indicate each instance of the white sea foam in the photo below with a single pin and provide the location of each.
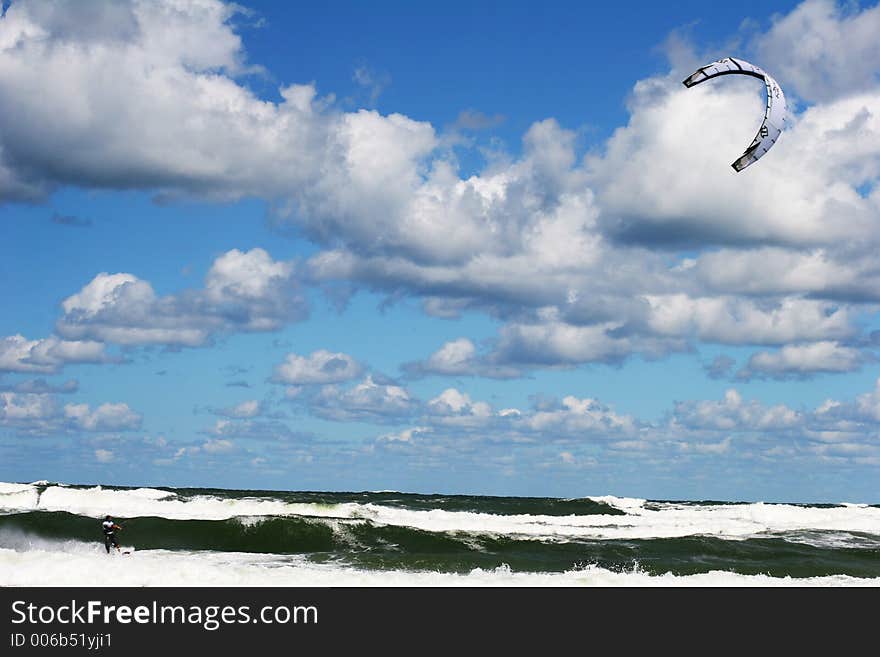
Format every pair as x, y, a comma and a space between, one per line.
15, 497
78, 564
834, 540
15, 488
657, 520
98, 501
622, 503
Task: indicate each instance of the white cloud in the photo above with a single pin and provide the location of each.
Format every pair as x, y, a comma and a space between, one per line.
581, 417
106, 417
455, 408
455, 357
735, 414
567, 457
771, 271
824, 49
211, 447
319, 367
559, 343
730, 430
405, 436
40, 413
104, 455
218, 446
731, 320
571, 254
460, 358
803, 194
246, 409
155, 54
803, 360
46, 356
244, 291
159, 109
367, 400
253, 282
17, 408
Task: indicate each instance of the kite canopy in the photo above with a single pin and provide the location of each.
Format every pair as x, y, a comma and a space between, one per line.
774, 115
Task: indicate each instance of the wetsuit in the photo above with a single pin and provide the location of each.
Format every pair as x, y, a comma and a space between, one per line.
109, 528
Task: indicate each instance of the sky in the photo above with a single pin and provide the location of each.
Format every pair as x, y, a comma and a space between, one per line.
469, 247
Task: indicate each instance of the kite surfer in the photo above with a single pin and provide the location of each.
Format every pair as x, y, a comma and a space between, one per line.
110, 528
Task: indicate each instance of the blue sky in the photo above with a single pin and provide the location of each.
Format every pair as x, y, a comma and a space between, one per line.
472, 247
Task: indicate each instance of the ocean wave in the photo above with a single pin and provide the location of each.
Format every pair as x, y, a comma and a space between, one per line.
600, 518
77, 567
8, 489
376, 546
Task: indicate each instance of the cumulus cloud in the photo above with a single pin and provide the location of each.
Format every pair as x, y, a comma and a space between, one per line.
559, 343
733, 413
731, 429
824, 49
176, 51
743, 321
579, 257
244, 291
582, 417
319, 367
106, 417
800, 361
809, 174
455, 357
27, 410
42, 414
152, 102
455, 408
211, 448
455, 414
460, 358
366, 401
817, 272
48, 355
246, 409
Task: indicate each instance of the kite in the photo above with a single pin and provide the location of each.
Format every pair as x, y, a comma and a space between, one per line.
774, 115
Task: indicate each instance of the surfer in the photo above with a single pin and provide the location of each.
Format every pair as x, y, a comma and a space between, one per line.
110, 528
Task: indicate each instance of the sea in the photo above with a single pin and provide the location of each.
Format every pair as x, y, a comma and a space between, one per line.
50, 535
